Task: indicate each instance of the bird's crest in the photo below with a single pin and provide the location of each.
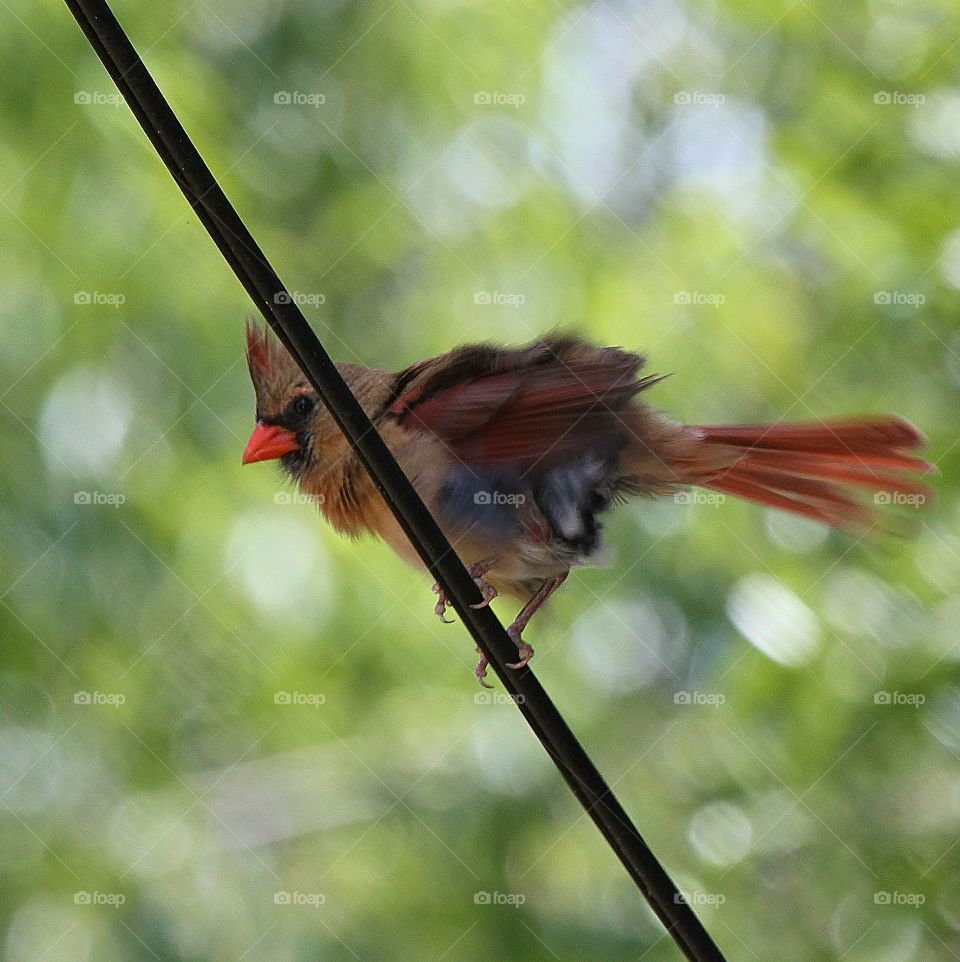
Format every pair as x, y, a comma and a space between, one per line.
267, 358
262, 347
274, 372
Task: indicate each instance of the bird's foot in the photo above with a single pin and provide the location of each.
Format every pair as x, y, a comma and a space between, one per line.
524, 650
440, 608
488, 592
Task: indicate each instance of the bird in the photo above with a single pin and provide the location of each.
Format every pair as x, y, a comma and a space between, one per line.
519, 452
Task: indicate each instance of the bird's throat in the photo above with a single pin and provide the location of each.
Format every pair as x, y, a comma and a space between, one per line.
345, 494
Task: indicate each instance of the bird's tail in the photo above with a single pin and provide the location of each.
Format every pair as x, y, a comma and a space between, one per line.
832, 471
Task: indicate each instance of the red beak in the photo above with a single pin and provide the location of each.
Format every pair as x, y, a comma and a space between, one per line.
267, 442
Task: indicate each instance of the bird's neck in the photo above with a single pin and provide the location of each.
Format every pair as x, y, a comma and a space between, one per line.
345, 494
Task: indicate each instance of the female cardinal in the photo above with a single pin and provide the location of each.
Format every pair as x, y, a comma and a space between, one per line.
518, 451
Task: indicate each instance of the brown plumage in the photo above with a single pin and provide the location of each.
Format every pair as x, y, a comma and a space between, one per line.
518, 452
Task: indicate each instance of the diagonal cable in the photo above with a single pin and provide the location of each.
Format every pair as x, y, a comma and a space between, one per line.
284, 316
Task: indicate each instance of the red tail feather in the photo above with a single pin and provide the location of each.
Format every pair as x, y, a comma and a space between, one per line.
814, 469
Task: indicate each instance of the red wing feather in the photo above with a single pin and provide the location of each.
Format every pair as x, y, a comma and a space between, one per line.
463, 408
530, 408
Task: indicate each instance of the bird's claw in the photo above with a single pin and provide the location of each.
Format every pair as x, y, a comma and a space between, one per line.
524, 650
440, 608
488, 592
526, 653
481, 671
486, 589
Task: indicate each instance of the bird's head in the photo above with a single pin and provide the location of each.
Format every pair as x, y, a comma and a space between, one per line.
286, 404
293, 424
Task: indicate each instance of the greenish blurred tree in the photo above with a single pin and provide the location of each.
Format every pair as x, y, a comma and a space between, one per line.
227, 734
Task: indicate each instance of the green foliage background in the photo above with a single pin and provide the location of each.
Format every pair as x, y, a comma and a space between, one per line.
763, 196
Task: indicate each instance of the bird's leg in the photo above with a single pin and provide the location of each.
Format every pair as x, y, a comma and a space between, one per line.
476, 571
527, 612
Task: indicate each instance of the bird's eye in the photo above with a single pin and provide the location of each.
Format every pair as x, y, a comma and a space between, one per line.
303, 405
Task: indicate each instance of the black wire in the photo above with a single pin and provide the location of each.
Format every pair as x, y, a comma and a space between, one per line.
251, 267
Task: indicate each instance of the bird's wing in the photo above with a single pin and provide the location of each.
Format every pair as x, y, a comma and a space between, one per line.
531, 409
